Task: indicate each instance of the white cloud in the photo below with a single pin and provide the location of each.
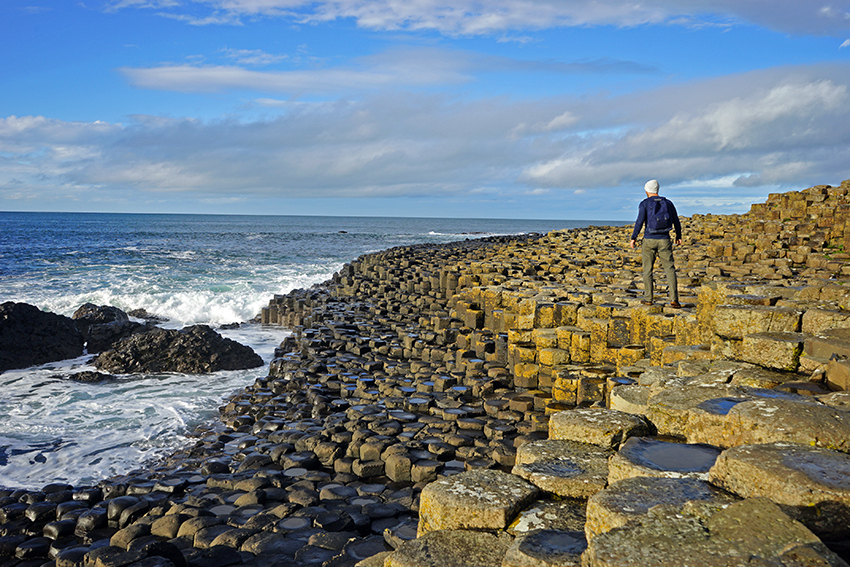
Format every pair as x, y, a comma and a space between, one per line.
474, 17
394, 68
189, 78
398, 68
785, 126
846, 43
35, 10
252, 57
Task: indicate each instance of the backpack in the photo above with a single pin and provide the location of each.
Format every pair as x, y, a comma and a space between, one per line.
658, 217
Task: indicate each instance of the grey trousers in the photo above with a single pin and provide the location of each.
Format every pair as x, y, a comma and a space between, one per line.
663, 248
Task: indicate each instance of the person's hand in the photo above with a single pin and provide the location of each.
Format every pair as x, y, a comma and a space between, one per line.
632, 242
678, 242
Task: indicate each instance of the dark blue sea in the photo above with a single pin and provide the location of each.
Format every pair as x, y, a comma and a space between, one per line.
211, 269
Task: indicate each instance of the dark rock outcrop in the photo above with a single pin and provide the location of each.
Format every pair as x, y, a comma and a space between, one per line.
91, 314
29, 336
90, 377
193, 350
102, 326
142, 313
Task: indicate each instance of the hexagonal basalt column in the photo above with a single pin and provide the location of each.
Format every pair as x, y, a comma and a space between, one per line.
479, 499
810, 484
565, 468
603, 427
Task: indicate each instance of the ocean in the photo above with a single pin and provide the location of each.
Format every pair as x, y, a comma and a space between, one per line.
192, 269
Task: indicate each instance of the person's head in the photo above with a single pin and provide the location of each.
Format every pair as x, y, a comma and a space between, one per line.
651, 188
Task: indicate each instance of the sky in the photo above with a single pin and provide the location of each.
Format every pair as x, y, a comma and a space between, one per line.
536, 109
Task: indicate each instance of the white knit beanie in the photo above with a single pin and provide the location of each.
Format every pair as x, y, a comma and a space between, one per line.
651, 186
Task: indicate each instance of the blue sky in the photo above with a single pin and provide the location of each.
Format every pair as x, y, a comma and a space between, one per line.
443, 108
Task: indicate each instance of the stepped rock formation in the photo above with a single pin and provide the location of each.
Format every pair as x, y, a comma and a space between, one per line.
541, 327
509, 401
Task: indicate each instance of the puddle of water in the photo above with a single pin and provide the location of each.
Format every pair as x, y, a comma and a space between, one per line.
667, 456
720, 406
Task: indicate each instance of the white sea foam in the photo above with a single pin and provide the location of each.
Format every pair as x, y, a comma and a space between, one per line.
59, 430
212, 302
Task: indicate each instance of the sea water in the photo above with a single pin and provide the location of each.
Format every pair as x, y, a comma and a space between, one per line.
191, 269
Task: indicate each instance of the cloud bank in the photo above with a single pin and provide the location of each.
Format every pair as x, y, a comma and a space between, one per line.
785, 126
477, 17
395, 68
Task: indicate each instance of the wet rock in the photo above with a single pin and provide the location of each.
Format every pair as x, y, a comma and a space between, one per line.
643, 456
142, 313
360, 549
314, 555
110, 556
90, 377
91, 520
234, 538
29, 336
103, 326
59, 529
191, 527
269, 543
166, 550
193, 350
33, 548
124, 537
71, 556
810, 484
205, 537
219, 556
546, 548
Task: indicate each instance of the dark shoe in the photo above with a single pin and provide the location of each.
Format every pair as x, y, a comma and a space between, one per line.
645, 302
675, 305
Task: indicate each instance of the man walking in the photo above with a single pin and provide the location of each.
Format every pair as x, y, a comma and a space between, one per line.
659, 215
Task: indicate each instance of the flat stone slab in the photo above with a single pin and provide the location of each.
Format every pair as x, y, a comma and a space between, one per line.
477, 499
563, 515
602, 427
772, 420
633, 497
750, 532
757, 377
812, 485
646, 456
564, 468
669, 409
546, 548
450, 548
631, 398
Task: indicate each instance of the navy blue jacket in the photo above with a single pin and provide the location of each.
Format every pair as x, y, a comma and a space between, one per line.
641, 220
